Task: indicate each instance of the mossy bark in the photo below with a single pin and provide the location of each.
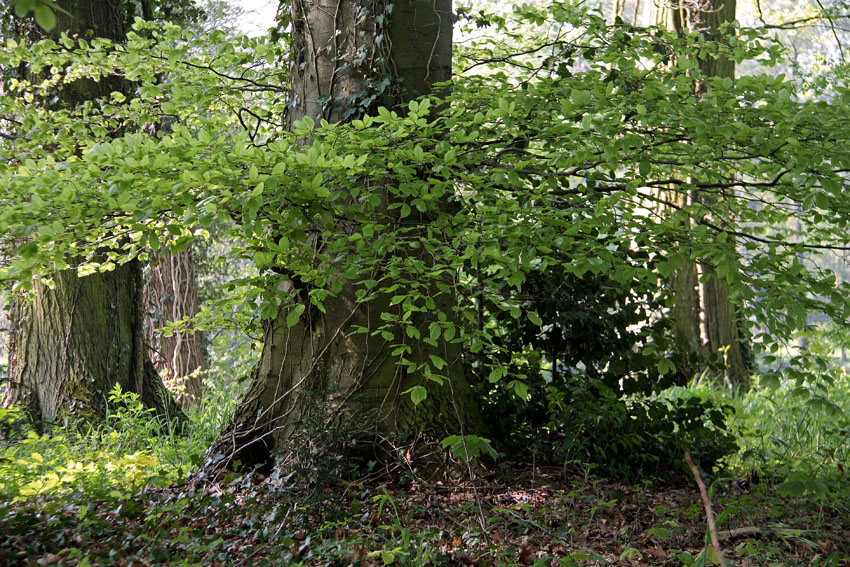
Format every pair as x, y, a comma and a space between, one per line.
75, 341
321, 366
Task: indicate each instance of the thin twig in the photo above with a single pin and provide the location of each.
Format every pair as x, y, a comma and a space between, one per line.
709, 513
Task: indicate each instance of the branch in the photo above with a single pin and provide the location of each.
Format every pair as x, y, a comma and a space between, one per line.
258, 85
832, 27
793, 24
709, 513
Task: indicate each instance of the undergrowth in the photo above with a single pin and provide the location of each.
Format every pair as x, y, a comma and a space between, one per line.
129, 450
120, 490
794, 433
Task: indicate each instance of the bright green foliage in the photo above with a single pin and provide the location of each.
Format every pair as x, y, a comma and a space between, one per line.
792, 427
468, 447
129, 450
42, 10
573, 155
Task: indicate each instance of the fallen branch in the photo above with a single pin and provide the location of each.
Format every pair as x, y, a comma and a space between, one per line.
747, 530
709, 513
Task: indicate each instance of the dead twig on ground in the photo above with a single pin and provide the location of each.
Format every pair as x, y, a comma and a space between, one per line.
709, 513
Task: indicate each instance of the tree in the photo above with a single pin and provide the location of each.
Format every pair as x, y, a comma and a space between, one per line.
171, 297
707, 319
75, 338
323, 357
390, 233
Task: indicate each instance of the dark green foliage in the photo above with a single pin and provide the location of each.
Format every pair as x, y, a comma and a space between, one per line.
633, 439
581, 420
592, 376
600, 323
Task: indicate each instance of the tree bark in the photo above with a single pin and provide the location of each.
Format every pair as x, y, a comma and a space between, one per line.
73, 343
172, 295
320, 369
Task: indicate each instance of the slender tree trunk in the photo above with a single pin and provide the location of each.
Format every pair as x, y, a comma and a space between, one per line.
320, 366
723, 331
717, 329
172, 295
684, 283
74, 341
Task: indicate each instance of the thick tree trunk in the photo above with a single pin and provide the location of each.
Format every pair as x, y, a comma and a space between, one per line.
320, 368
719, 331
73, 343
172, 295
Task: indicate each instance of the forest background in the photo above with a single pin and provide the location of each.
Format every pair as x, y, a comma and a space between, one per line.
420, 302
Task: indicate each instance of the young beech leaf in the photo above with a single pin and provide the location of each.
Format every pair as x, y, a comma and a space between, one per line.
294, 314
45, 17
520, 388
438, 362
418, 394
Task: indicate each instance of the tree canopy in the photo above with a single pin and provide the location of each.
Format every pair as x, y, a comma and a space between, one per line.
562, 151
474, 249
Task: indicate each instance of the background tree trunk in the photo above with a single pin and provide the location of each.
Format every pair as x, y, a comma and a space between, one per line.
72, 344
320, 366
722, 330
172, 295
705, 316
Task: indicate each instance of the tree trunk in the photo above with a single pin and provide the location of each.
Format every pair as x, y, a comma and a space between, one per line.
172, 295
319, 370
73, 343
719, 330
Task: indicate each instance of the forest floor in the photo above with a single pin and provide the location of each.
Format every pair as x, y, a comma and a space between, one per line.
524, 517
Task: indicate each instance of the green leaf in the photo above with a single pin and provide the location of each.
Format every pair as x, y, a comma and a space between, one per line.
438, 362
23, 7
534, 318
519, 388
294, 314
665, 366
468, 447
418, 394
45, 17
660, 532
496, 374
